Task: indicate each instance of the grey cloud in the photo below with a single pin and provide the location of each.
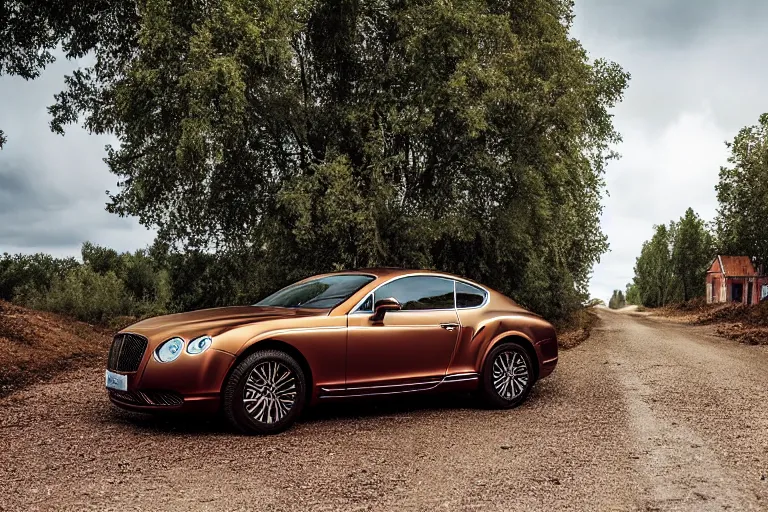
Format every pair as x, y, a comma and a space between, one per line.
34, 214
672, 23
683, 55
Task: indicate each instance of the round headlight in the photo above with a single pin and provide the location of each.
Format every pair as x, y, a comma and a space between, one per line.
199, 345
169, 350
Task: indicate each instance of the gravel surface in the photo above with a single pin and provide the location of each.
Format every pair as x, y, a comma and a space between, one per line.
644, 415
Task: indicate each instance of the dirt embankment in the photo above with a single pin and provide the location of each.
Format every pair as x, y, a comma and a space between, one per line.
576, 329
35, 345
746, 324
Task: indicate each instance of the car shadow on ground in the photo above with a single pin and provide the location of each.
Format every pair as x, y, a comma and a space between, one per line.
348, 411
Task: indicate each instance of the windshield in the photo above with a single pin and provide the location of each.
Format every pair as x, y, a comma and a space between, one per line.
322, 293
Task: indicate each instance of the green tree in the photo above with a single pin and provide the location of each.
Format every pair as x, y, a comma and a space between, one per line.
318, 135
693, 250
655, 277
617, 300
633, 295
101, 259
743, 195
22, 274
32, 30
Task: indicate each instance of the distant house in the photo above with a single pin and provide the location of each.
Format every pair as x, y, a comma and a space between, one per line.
734, 279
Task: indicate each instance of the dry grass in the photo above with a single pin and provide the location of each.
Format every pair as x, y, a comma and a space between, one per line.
34, 345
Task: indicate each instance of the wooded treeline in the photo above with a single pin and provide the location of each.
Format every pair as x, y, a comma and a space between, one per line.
104, 285
299, 136
672, 265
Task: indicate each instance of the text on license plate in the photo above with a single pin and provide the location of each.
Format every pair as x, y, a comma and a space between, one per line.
117, 381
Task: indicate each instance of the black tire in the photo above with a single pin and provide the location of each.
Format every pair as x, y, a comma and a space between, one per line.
236, 395
512, 396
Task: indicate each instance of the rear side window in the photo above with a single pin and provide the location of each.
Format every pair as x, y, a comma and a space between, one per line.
468, 296
419, 292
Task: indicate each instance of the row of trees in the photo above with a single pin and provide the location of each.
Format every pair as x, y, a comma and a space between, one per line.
311, 135
673, 263
106, 285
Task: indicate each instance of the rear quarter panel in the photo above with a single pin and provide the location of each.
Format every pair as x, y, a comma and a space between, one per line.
482, 328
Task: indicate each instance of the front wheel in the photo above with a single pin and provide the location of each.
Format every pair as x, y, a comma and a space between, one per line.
507, 376
265, 393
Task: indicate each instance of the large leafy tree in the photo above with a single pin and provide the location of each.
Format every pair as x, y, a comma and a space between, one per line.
32, 30
470, 136
743, 194
692, 253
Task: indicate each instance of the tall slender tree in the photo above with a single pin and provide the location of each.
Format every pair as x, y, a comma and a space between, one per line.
691, 254
655, 277
633, 295
672, 265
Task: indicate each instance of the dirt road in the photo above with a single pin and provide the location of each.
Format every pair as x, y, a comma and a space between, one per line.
643, 416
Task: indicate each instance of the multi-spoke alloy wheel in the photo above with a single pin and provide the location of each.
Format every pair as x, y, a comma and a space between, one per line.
265, 393
508, 376
269, 392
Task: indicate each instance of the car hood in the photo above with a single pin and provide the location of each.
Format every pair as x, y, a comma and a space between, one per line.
213, 321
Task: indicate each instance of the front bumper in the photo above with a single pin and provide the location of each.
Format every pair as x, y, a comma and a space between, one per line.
192, 383
189, 404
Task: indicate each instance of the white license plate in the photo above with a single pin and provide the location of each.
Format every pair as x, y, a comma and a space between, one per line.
117, 381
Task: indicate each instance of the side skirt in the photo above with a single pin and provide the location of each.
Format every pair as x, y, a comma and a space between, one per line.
453, 382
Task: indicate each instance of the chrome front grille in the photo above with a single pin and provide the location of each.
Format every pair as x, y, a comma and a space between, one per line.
126, 352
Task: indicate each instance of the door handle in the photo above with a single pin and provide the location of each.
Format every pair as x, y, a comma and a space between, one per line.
449, 326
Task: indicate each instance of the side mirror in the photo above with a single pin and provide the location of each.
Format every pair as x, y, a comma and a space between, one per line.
381, 308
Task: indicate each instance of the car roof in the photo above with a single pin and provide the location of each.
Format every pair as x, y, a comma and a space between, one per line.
387, 272
383, 271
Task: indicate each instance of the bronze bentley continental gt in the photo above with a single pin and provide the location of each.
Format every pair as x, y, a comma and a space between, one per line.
333, 337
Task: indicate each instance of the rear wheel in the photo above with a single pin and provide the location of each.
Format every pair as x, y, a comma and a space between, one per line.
507, 376
265, 393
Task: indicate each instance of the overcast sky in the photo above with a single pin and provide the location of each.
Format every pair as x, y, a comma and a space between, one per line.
53, 188
698, 75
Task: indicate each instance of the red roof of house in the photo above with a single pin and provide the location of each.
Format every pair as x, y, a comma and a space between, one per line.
736, 265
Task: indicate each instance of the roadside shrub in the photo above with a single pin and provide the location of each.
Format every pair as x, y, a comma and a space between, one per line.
25, 275
203, 280
101, 259
85, 295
